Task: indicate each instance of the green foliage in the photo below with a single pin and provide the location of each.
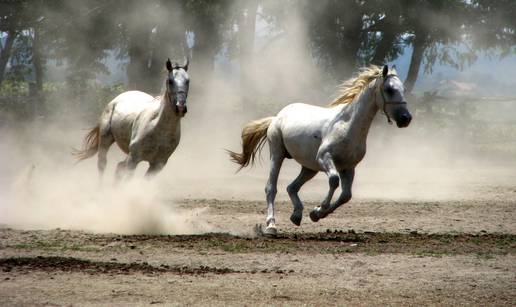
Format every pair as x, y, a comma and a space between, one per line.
342, 35
57, 100
12, 88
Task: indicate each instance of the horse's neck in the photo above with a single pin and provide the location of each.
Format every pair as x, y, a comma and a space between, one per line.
167, 117
360, 114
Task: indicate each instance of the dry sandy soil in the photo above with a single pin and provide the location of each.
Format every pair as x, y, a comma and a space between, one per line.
460, 252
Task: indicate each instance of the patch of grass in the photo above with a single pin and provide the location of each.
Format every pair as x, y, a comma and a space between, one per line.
54, 246
245, 245
337, 250
484, 255
21, 246
435, 254
235, 247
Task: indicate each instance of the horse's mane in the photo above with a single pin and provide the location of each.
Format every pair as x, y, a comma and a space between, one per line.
354, 86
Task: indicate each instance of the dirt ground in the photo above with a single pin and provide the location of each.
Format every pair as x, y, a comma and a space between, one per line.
370, 252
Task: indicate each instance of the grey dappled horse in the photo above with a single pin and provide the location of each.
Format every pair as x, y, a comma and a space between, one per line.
146, 128
328, 139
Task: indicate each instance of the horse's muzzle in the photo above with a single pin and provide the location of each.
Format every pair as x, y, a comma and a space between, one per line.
181, 109
404, 120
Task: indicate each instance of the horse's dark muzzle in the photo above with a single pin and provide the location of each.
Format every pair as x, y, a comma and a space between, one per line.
181, 110
404, 120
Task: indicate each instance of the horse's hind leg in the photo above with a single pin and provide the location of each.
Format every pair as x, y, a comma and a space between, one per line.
104, 143
293, 188
328, 165
277, 153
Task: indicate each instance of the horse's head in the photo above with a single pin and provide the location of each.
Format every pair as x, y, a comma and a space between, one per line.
177, 86
390, 98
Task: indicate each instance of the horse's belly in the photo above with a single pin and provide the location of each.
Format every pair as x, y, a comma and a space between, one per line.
308, 163
301, 130
303, 150
121, 128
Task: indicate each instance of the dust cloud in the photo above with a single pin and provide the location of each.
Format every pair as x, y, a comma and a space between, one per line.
42, 187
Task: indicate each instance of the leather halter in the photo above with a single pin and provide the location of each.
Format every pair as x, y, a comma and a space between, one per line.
385, 102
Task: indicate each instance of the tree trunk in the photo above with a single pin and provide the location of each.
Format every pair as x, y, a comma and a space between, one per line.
37, 61
204, 51
138, 66
388, 39
419, 46
346, 60
6, 52
247, 29
170, 43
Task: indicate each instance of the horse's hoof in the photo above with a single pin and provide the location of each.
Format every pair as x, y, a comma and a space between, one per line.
296, 219
314, 216
270, 231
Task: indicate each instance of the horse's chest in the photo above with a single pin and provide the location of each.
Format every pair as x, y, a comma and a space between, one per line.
347, 153
156, 146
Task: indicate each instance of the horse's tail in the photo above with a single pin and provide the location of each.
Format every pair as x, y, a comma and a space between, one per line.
254, 135
90, 145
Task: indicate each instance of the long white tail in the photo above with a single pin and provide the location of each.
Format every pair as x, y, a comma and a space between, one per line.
254, 135
91, 145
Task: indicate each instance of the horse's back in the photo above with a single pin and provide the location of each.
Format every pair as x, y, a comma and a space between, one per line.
132, 102
303, 117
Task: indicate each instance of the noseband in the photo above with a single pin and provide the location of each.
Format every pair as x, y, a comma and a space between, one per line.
385, 102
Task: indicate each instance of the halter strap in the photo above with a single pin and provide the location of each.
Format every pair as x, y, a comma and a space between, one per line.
170, 97
385, 102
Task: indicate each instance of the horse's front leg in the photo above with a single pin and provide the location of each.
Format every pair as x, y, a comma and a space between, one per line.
326, 162
154, 168
346, 181
270, 192
125, 169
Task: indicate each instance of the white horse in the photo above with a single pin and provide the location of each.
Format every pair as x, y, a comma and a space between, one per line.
331, 140
144, 127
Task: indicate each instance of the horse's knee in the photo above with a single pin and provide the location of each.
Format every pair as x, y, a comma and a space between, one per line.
334, 181
270, 189
292, 189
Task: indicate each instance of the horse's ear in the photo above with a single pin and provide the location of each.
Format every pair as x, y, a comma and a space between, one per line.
169, 65
185, 65
385, 70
